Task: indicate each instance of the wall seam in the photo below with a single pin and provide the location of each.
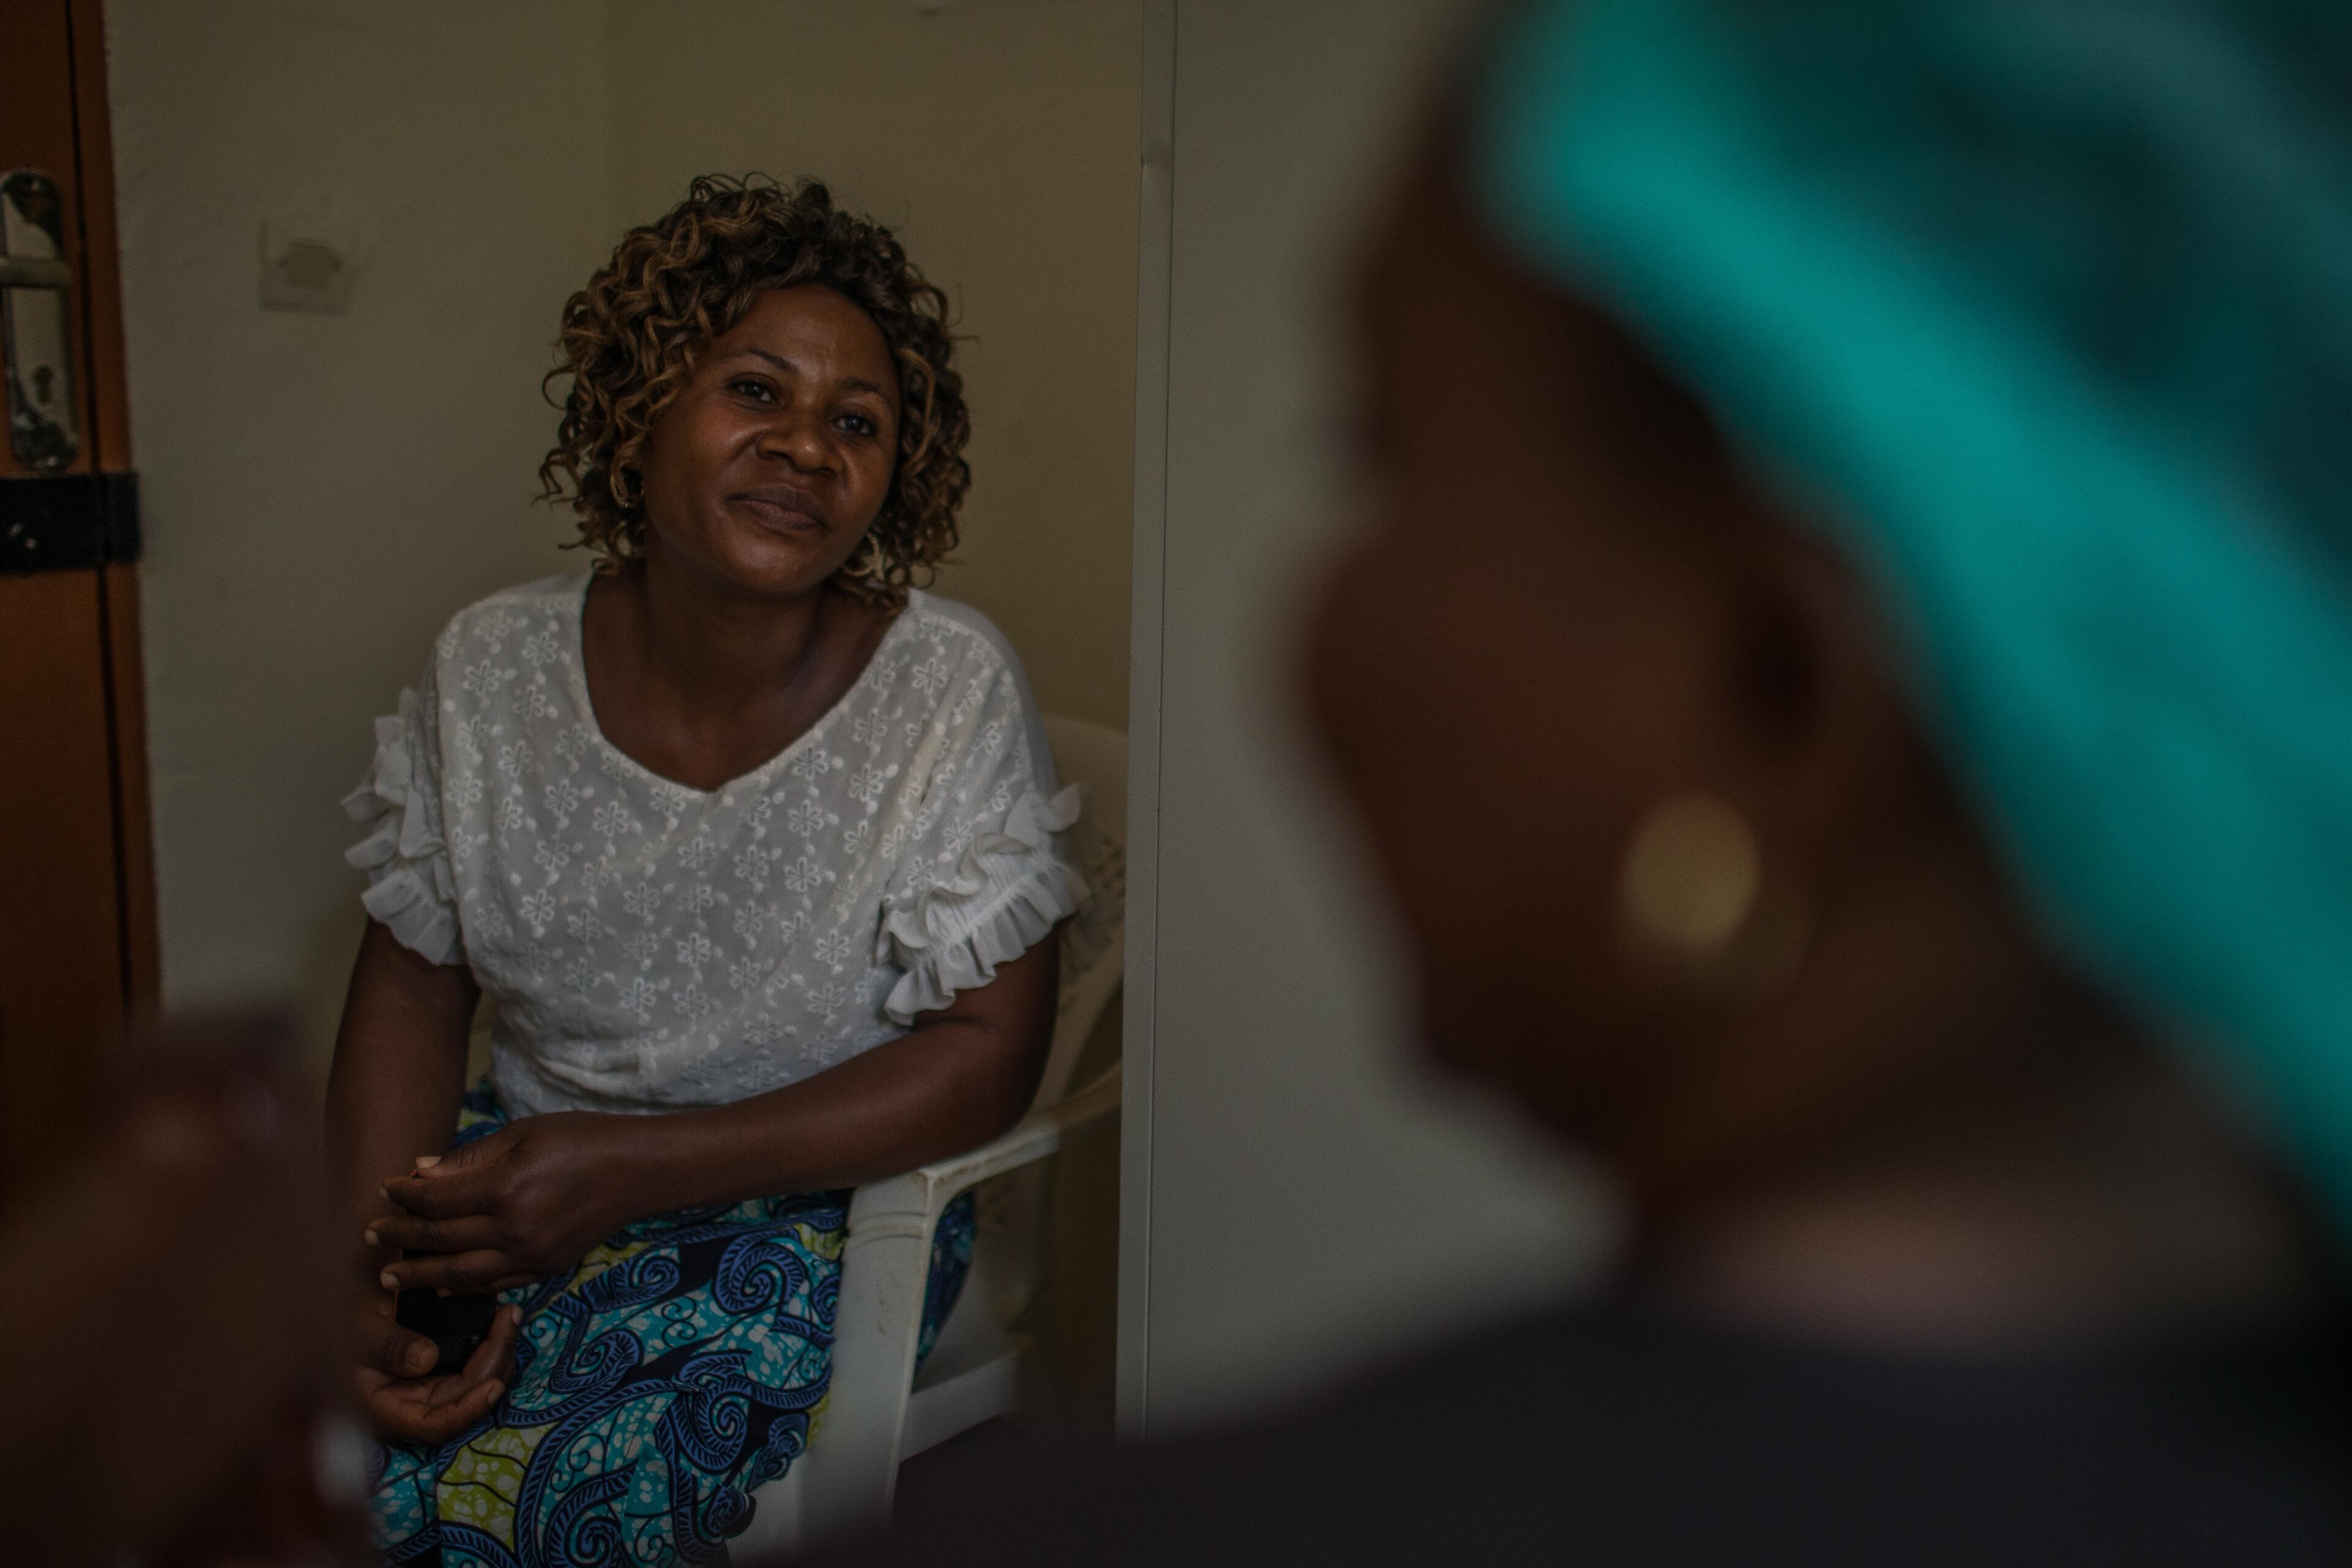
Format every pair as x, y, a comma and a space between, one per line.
1154, 313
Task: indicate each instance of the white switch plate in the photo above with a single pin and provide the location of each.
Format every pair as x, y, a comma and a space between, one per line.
308, 259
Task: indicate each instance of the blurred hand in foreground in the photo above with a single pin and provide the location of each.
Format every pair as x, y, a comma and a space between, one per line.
169, 1315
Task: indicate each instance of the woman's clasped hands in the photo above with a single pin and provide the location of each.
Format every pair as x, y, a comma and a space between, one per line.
515, 1207
521, 1205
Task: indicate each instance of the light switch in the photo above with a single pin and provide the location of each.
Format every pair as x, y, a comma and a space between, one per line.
306, 263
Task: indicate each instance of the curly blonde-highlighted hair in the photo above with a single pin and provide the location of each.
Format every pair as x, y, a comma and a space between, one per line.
631, 338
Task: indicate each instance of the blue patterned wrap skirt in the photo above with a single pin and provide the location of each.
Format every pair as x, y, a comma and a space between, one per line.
680, 1366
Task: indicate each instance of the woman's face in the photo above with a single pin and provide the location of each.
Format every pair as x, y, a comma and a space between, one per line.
1492, 668
766, 470
1563, 608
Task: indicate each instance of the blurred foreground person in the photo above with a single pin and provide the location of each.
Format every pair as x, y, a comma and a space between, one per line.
174, 1393
1845, 679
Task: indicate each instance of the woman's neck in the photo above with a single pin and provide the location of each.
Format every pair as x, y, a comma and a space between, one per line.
701, 685
708, 650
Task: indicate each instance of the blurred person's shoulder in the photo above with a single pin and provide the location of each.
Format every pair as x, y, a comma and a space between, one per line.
1609, 1435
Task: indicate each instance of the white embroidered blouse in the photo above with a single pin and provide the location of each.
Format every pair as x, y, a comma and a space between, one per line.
650, 945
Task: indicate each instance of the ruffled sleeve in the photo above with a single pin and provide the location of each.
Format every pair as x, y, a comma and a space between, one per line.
412, 887
993, 878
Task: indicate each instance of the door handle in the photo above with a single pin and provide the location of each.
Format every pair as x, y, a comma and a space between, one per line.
36, 316
30, 274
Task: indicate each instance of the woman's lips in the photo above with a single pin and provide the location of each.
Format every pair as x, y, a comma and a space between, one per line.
782, 507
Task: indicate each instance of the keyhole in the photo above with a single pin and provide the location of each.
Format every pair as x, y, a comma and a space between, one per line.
45, 381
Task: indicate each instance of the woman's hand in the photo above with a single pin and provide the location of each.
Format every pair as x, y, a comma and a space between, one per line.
402, 1402
515, 1207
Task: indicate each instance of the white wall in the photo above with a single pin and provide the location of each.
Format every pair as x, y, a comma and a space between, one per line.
322, 491
1312, 1202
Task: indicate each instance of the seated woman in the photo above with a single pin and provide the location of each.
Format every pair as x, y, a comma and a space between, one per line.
753, 845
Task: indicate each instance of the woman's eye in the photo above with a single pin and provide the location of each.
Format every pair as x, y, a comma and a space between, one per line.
758, 389
859, 425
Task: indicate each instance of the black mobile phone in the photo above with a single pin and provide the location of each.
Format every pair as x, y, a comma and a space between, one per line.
455, 1324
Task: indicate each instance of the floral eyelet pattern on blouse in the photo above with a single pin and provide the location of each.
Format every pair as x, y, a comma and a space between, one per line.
650, 945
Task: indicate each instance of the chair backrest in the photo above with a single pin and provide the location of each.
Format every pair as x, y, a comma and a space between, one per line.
1009, 1255
1095, 755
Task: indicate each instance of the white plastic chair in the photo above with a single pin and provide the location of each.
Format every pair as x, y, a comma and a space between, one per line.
879, 1412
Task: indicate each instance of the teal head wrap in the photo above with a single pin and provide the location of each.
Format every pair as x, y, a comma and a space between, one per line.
2044, 307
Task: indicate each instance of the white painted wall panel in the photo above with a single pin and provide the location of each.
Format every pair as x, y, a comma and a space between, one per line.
1314, 1200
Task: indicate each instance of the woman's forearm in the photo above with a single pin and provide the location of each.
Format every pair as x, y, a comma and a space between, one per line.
895, 1107
399, 1070
959, 1080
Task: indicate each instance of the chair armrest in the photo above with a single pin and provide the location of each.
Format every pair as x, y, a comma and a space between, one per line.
1038, 1134
852, 1469
886, 1207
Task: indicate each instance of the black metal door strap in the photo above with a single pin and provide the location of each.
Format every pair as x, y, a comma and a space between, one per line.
66, 522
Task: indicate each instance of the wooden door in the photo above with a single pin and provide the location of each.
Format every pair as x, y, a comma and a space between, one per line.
78, 953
